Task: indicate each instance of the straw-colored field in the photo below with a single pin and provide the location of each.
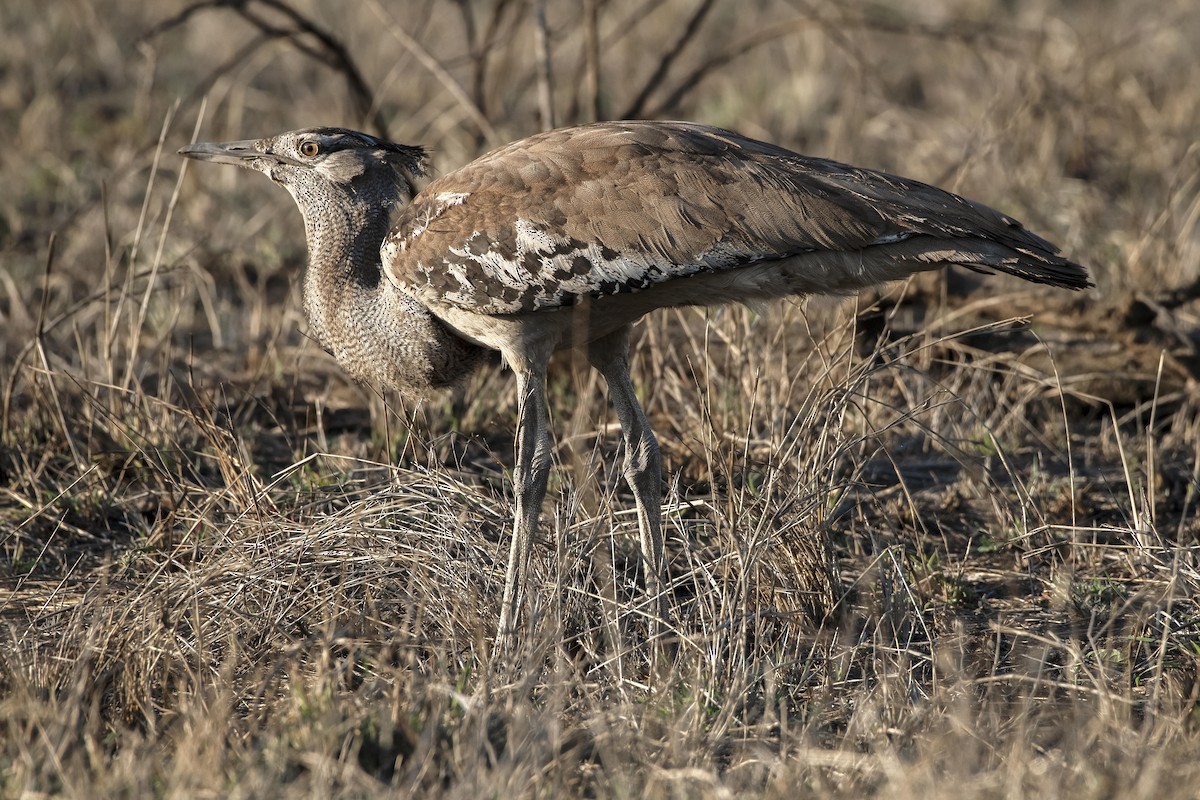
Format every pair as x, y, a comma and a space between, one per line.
227, 571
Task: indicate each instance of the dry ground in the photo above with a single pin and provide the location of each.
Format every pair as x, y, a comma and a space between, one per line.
226, 572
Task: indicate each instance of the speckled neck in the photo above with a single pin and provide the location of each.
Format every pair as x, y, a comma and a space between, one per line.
377, 333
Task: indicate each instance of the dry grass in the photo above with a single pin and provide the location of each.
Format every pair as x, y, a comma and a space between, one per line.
227, 572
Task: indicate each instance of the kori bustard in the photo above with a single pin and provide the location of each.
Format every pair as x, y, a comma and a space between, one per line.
566, 238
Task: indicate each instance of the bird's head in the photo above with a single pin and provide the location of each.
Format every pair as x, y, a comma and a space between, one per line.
315, 157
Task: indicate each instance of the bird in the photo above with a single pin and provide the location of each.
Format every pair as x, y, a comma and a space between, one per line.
566, 238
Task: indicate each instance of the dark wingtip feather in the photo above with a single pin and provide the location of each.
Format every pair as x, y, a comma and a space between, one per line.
1047, 268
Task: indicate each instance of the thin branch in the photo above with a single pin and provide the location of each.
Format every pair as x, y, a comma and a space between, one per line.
494, 33
545, 73
735, 51
330, 50
962, 31
631, 22
591, 54
205, 84
170, 23
340, 59
664, 64
438, 71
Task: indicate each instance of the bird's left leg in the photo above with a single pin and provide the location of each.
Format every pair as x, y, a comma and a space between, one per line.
643, 464
530, 476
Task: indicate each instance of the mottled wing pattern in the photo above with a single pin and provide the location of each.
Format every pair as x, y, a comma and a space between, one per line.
617, 207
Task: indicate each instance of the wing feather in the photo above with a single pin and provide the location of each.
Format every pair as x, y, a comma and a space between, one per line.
618, 207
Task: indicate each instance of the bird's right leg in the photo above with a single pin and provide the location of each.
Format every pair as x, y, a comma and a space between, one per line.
643, 464
530, 476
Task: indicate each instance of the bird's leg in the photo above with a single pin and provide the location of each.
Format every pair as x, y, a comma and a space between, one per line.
643, 464
530, 475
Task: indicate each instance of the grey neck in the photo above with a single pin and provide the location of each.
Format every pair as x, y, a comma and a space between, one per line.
376, 333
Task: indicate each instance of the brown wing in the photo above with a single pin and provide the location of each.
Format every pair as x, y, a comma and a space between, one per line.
617, 207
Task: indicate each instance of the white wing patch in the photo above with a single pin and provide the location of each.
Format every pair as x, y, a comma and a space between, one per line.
528, 267
543, 271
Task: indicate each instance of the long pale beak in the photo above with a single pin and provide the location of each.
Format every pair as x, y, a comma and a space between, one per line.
240, 154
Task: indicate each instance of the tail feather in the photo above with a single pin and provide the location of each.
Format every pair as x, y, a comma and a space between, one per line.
1030, 260
1058, 271
849, 271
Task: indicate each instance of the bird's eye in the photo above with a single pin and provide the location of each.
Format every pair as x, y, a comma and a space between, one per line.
309, 149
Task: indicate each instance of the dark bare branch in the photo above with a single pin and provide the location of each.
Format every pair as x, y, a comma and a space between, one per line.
735, 51
656, 79
591, 55
545, 74
170, 23
339, 58
438, 70
329, 49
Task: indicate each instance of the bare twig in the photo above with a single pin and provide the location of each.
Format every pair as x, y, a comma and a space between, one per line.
437, 70
170, 23
961, 31
487, 46
545, 73
335, 55
656, 78
732, 53
60, 416
139, 321
329, 50
591, 55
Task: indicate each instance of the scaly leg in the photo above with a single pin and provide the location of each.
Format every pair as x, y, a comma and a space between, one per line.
643, 464
530, 475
